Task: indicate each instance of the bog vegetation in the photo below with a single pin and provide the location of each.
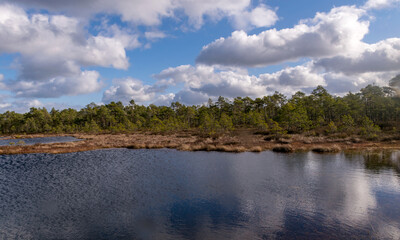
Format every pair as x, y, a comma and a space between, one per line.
366, 113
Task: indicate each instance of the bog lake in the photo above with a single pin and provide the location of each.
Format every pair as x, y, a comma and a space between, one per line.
170, 194
32, 141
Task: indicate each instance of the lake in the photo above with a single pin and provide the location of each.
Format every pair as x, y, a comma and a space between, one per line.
32, 141
167, 194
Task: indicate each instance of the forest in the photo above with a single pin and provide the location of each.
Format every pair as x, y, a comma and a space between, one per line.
367, 113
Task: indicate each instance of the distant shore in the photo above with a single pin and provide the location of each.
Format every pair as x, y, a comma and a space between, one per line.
238, 141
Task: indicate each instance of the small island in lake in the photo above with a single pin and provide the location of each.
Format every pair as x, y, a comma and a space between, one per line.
319, 122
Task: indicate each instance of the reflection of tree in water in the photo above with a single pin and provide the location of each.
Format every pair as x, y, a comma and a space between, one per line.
190, 217
377, 161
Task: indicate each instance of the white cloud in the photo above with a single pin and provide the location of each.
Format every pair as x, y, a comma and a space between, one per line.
260, 16
383, 56
379, 4
202, 82
127, 89
199, 84
215, 9
196, 84
151, 12
340, 84
24, 105
128, 39
53, 48
376, 64
164, 99
85, 82
4, 105
292, 79
189, 97
154, 35
141, 12
212, 82
207, 80
327, 34
57, 37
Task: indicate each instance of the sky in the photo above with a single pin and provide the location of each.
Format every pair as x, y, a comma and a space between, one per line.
56, 53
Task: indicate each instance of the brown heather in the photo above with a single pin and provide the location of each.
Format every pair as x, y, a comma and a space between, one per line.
235, 142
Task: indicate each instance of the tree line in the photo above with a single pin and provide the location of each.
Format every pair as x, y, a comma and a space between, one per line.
372, 110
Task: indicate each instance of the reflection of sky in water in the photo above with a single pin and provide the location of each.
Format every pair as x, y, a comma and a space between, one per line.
31, 141
167, 194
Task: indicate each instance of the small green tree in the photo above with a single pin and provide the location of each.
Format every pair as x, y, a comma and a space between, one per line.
91, 127
347, 125
30, 126
256, 120
274, 128
331, 128
209, 125
226, 122
294, 118
369, 129
156, 124
171, 124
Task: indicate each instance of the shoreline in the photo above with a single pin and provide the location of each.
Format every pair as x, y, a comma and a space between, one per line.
239, 141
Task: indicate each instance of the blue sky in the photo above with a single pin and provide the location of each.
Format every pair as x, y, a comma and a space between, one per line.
71, 53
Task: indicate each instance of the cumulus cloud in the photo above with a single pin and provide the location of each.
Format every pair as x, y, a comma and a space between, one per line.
340, 61
261, 16
52, 50
57, 37
376, 64
383, 56
198, 83
293, 78
154, 35
340, 84
202, 82
24, 105
379, 4
141, 12
189, 97
85, 82
4, 105
164, 99
212, 82
125, 36
127, 89
151, 12
327, 34
207, 80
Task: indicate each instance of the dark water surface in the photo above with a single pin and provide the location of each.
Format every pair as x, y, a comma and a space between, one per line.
166, 194
32, 141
